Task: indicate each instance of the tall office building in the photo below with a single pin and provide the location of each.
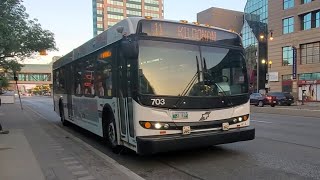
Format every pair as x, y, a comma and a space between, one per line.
255, 38
295, 48
106, 13
222, 18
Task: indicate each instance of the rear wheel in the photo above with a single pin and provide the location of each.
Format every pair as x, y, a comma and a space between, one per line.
62, 117
273, 105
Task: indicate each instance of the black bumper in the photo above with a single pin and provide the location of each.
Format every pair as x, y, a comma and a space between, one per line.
164, 143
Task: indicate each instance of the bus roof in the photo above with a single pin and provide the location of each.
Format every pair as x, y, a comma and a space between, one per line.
110, 36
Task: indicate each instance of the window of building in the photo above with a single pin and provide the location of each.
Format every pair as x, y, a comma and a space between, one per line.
154, 15
151, 8
151, 1
317, 19
287, 83
99, 12
306, 1
117, 3
134, 1
310, 53
117, 10
100, 26
99, 19
99, 5
288, 4
134, 6
306, 20
116, 17
288, 25
309, 76
103, 83
133, 13
287, 56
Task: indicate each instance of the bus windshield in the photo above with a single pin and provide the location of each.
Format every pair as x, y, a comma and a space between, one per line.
168, 69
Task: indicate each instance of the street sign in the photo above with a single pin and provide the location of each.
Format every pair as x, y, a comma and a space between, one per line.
294, 65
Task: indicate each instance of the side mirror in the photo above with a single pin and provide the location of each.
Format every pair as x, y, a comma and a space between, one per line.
129, 48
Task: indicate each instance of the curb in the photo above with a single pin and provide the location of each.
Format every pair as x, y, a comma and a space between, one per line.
118, 166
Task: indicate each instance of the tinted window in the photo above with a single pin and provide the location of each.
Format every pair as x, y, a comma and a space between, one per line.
103, 81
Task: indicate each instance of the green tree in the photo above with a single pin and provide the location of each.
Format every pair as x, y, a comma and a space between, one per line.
20, 37
4, 84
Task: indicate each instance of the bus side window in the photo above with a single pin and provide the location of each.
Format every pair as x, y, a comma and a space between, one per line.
103, 71
77, 78
88, 77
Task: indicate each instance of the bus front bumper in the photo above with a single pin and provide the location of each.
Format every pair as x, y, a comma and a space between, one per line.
165, 143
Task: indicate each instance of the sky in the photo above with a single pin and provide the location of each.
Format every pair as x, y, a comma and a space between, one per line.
71, 20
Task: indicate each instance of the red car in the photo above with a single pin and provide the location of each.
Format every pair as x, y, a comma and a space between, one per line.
260, 100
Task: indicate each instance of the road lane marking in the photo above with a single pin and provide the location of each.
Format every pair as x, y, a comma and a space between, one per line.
87, 178
80, 172
71, 162
113, 162
67, 158
75, 167
266, 122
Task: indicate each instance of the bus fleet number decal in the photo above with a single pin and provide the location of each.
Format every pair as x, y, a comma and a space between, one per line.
158, 102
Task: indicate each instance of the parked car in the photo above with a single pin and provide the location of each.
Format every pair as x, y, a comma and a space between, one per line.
283, 98
260, 100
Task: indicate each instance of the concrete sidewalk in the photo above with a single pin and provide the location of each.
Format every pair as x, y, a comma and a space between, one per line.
36, 149
17, 160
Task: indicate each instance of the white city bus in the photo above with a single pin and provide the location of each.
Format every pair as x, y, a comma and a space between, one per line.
155, 85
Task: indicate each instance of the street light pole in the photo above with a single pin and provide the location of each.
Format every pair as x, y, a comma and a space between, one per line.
258, 71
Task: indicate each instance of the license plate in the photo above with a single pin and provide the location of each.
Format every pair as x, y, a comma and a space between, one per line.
290, 99
186, 130
179, 115
225, 126
274, 101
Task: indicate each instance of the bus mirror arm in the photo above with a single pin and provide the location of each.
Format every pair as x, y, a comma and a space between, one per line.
129, 48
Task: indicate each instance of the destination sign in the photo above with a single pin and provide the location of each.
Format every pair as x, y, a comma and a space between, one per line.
183, 31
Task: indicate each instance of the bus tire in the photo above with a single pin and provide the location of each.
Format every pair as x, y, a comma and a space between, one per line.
112, 136
110, 131
62, 117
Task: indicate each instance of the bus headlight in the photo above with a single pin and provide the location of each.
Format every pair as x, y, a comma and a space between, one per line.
157, 125
239, 119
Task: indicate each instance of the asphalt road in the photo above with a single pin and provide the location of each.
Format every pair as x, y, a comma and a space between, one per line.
286, 147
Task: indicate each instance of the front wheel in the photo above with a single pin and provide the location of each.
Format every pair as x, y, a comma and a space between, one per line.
111, 133
260, 104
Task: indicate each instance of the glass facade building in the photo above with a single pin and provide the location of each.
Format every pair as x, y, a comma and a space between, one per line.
107, 13
255, 36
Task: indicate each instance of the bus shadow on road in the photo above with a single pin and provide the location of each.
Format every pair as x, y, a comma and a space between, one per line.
99, 143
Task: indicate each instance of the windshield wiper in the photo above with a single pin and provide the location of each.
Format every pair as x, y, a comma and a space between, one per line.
205, 71
190, 84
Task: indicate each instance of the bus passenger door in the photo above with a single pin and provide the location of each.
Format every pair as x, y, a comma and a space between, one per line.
69, 84
125, 100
